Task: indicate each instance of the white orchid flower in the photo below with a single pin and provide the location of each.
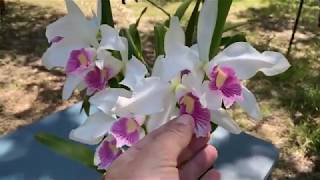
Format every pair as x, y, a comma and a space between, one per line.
145, 98
239, 61
76, 45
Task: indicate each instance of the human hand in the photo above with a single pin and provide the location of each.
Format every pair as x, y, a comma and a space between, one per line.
170, 152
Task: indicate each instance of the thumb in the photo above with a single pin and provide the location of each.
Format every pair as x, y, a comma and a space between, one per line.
174, 136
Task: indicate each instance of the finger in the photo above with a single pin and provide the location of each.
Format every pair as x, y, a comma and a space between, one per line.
193, 148
212, 175
198, 165
172, 138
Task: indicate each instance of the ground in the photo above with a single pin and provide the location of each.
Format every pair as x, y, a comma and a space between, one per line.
29, 91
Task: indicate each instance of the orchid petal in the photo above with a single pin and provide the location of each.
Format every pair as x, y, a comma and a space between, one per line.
158, 66
93, 129
106, 99
193, 82
249, 104
135, 73
146, 99
111, 39
222, 118
174, 36
109, 62
99, 11
247, 61
280, 62
57, 55
106, 153
183, 58
211, 99
206, 25
70, 85
74, 25
159, 119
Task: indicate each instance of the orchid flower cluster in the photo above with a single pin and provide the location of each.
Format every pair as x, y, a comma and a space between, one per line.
183, 81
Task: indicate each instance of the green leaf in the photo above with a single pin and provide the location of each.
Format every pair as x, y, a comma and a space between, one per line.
86, 105
141, 14
228, 40
133, 37
213, 127
106, 13
229, 27
159, 34
192, 24
180, 10
70, 149
223, 11
134, 40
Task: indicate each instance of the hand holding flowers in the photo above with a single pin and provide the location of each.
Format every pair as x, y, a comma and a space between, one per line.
183, 81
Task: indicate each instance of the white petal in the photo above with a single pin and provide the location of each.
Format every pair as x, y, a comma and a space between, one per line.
174, 36
109, 61
106, 99
223, 119
99, 11
57, 54
193, 82
249, 104
146, 99
111, 39
135, 73
73, 8
210, 99
124, 52
74, 25
158, 66
181, 59
280, 62
206, 25
159, 119
70, 85
93, 129
247, 61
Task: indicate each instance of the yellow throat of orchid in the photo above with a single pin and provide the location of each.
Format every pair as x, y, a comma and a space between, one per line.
113, 148
189, 103
221, 78
131, 125
82, 59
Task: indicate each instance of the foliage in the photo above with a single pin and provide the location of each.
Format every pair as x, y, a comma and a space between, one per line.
67, 148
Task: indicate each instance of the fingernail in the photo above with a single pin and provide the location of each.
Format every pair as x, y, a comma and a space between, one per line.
186, 119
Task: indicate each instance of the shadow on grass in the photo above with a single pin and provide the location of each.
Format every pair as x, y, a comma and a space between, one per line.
23, 30
298, 89
280, 16
23, 41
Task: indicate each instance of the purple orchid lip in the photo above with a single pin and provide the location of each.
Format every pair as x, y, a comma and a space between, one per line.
97, 79
190, 104
126, 130
224, 79
56, 39
79, 61
106, 153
